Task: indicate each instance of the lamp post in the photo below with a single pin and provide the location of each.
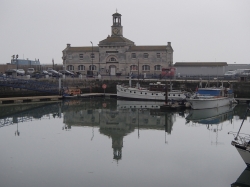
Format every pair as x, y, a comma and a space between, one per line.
16, 62
92, 57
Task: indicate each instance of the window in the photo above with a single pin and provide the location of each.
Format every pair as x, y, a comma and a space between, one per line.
145, 55
157, 68
92, 55
112, 59
158, 55
133, 68
81, 56
93, 67
81, 67
70, 67
145, 68
133, 55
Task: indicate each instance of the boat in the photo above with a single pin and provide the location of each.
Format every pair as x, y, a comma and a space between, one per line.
242, 142
211, 115
212, 97
156, 92
243, 180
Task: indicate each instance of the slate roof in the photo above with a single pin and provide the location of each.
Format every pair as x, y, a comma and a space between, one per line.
83, 49
113, 40
148, 48
190, 64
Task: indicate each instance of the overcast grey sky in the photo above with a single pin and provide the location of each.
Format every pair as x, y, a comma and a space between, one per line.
199, 30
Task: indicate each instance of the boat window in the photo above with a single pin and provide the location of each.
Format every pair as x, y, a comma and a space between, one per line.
134, 92
130, 91
164, 94
179, 95
152, 94
173, 94
156, 94
141, 92
168, 94
145, 93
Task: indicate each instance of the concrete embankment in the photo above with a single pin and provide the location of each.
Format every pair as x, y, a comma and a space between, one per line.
241, 89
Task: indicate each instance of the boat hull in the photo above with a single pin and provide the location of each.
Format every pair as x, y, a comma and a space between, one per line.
201, 103
244, 153
144, 94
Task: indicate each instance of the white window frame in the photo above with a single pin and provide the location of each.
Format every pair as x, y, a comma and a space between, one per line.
157, 67
133, 68
133, 55
145, 55
145, 68
158, 55
70, 67
81, 67
93, 67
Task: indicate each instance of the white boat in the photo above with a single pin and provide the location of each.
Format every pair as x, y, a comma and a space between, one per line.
211, 98
155, 92
212, 115
242, 143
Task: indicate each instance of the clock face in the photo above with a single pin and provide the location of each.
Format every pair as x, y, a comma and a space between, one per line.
116, 31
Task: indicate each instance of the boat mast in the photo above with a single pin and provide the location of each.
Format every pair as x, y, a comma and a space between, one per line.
138, 75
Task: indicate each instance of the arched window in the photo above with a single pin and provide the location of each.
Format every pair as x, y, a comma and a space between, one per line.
157, 68
93, 67
145, 68
70, 67
133, 68
81, 67
112, 59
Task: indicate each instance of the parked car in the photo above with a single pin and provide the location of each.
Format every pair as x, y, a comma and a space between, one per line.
230, 74
40, 74
44, 72
20, 72
67, 73
10, 71
30, 71
54, 73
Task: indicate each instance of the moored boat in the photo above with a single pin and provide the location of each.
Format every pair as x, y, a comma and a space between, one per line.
211, 98
157, 92
242, 143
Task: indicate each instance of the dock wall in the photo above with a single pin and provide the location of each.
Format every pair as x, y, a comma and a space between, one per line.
241, 89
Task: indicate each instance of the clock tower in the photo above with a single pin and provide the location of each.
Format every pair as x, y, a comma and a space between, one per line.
116, 28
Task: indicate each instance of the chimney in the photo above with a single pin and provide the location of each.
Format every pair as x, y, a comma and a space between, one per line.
68, 45
169, 43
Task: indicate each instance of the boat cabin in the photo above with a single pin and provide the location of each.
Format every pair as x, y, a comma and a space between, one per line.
157, 87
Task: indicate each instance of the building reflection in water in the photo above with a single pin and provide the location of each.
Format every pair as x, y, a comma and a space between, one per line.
114, 118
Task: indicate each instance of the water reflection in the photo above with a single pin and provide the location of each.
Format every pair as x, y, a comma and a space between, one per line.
243, 180
135, 131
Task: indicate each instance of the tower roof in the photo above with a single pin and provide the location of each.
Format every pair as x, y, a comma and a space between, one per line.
116, 41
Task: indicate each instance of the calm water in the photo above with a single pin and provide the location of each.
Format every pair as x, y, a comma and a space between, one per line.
105, 142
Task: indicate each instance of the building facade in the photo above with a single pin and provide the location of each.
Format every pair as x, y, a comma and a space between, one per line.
118, 55
200, 68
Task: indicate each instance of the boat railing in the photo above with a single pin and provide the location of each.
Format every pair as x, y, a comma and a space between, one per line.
242, 138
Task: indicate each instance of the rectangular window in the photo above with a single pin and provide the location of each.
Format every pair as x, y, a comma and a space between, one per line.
133, 55
145, 55
92, 55
81, 56
158, 55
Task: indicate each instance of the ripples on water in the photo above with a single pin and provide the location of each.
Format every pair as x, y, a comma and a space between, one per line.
108, 142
